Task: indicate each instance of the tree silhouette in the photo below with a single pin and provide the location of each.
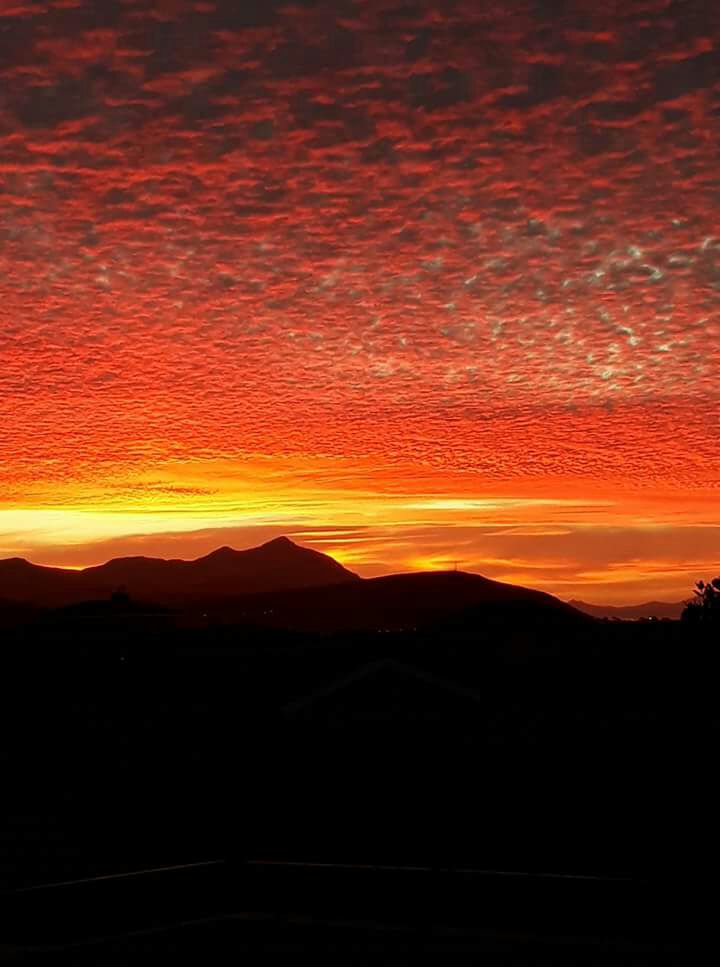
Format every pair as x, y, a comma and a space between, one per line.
705, 607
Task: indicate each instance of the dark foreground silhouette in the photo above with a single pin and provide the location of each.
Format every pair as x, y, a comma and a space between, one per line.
450, 729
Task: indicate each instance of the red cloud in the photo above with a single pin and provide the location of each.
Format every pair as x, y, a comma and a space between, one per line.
471, 238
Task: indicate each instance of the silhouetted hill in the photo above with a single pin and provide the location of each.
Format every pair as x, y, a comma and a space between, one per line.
400, 602
21, 581
632, 612
283, 585
277, 565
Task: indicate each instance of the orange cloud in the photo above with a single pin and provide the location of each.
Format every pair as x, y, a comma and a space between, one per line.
263, 270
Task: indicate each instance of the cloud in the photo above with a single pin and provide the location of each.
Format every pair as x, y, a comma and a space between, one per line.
456, 237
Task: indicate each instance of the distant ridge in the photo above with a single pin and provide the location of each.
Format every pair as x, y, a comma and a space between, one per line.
632, 612
274, 566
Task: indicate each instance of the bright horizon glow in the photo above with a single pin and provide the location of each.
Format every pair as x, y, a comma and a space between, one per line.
607, 550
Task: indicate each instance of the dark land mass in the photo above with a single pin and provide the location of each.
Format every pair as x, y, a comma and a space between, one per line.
398, 602
274, 566
435, 720
632, 612
269, 585
278, 585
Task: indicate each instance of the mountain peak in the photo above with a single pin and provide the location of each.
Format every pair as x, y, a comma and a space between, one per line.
280, 542
16, 562
224, 551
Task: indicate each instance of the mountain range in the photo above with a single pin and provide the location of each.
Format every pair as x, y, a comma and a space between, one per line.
280, 584
275, 566
301, 581
632, 612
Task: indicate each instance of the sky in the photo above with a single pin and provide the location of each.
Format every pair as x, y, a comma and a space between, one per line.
414, 283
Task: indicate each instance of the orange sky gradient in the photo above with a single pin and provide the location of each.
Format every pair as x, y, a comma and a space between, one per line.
412, 285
